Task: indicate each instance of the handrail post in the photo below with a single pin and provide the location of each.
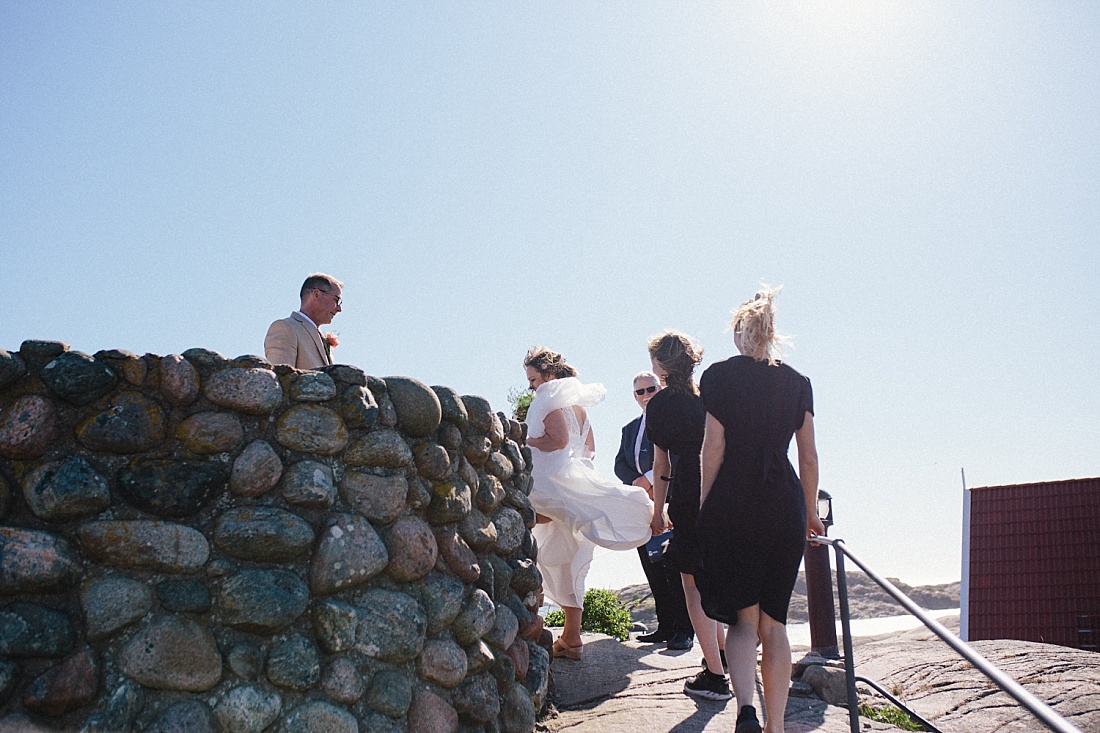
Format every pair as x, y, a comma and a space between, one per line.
846, 628
819, 601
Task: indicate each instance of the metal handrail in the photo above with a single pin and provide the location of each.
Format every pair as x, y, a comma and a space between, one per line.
1046, 714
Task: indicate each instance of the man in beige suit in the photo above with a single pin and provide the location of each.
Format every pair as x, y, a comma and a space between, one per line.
296, 340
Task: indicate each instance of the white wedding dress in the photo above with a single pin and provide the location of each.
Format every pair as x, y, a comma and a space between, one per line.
585, 508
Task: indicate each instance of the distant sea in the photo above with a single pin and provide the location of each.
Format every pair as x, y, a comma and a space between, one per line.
616, 570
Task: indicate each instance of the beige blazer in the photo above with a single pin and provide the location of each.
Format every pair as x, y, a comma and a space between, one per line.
297, 342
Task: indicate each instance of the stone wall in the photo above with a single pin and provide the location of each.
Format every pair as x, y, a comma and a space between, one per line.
191, 543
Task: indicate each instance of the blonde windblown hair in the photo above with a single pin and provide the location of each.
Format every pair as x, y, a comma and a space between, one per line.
754, 324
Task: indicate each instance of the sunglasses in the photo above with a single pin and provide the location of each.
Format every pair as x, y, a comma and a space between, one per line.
645, 390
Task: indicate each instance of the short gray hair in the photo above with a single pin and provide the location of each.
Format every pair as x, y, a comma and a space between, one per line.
645, 375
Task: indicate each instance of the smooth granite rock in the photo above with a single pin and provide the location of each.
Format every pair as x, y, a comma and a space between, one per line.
251, 391
262, 600
479, 658
475, 620
70, 685
392, 626
311, 429
342, 682
517, 712
78, 378
112, 602
171, 488
379, 449
431, 713
246, 659
118, 711
504, 630
127, 365
207, 433
147, 544
309, 484
33, 630
411, 547
312, 387
510, 530
451, 501
184, 595
28, 426
248, 709
442, 662
379, 498
451, 406
294, 664
263, 534
36, 562
12, 367
417, 406
335, 624
390, 693
476, 699
172, 653
460, 559
186, 716
432, 461
441, 596
490, 493
358, 407
256, 470
67, 489
349, 554
179, 382
130, 423
315, 716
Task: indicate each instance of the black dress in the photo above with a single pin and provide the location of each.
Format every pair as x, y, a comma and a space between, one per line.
752, 528
675, 422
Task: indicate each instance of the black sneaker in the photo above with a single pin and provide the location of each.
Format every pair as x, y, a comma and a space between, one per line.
708, 686
746, 721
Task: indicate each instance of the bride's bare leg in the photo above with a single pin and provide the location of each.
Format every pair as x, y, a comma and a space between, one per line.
541, 518
571, 634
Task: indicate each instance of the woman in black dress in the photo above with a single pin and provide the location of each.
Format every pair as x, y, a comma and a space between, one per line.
756, 513
674, 423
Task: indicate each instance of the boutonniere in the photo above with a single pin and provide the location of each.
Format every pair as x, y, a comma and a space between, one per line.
332, 339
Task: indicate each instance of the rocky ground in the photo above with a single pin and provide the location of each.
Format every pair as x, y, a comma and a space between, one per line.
629, 687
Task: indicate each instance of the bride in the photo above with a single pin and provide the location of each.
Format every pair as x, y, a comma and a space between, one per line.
577, 507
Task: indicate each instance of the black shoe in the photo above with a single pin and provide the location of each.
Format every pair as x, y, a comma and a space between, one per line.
708, 686
654, 636
680, 641
746, 721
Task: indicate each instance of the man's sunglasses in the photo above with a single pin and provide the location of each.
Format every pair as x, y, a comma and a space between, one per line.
645, 390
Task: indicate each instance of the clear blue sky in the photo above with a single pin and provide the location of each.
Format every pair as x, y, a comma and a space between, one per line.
922, 178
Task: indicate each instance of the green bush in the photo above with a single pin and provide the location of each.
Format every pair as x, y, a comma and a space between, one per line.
521, 400
603, 613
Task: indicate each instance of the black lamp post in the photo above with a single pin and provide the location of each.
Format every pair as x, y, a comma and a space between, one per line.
819, 588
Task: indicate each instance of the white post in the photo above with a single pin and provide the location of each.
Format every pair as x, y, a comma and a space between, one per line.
964, 581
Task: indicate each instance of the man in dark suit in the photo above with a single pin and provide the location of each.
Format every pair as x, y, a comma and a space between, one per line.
634, 465
297, 339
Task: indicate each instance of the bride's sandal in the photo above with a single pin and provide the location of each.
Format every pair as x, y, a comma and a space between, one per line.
561, 649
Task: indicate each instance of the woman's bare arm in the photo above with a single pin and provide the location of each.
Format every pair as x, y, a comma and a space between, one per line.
808, 473
662, 470
555, 435
710, 458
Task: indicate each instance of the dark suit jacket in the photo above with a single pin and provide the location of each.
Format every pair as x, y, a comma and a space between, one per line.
625, 467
